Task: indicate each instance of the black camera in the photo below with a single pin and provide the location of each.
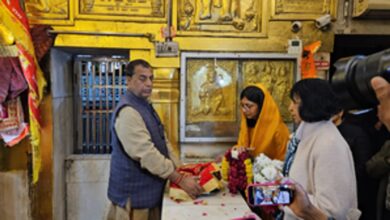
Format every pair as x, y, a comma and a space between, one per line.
351, 80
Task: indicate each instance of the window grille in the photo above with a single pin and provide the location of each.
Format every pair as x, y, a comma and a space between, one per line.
99, 83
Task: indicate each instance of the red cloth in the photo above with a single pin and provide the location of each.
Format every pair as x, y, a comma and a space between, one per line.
208, 179
12, 81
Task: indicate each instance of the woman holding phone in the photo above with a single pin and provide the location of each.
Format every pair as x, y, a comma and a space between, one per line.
318, 157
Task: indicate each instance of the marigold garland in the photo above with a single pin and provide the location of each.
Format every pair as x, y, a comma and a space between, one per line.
237, 171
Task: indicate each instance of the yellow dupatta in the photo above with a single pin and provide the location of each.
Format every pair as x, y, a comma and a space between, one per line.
270, 134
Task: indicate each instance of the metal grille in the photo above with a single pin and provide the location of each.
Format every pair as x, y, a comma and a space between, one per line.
99, 82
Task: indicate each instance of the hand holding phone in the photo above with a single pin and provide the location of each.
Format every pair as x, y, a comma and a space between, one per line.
269, 194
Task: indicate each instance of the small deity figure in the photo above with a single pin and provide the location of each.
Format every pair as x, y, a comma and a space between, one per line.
46, 6
156, 8
87, 5
226, 12
266, 76
211, 96
250, 18
281, 85
252, 73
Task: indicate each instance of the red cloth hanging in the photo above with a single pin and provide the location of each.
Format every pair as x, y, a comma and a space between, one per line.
12, 81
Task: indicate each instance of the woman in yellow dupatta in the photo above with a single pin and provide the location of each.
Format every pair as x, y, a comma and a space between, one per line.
262, 128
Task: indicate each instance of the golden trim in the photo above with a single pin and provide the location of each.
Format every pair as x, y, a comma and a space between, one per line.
302, 9
122, 17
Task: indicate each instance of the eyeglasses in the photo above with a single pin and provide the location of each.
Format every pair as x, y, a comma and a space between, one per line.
246, 107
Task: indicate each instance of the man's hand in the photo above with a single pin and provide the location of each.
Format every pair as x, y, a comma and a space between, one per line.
382, 90
191, 186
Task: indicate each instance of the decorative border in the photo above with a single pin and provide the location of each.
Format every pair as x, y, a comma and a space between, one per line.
137, 18
284, 13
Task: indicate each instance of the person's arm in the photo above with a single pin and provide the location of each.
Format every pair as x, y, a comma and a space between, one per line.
173, 155
333, 176
137, 143
302, 207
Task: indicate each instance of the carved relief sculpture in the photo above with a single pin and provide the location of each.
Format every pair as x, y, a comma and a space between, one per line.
87, 5
276, 76
47, 9
281, 84
225, 13
251, 73
266, 76
211, 96
282, 88
145, 8
304, 9
210, 91
220, 15
156, 8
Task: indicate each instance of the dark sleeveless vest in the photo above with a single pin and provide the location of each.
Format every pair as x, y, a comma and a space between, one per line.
127, 178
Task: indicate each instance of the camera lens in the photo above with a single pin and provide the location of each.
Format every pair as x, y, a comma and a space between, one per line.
351, 80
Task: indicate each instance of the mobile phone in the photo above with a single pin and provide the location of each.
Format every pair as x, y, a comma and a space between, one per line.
269, 194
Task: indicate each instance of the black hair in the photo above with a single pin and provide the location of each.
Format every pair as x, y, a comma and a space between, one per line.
129, 70
318, 101
256, 95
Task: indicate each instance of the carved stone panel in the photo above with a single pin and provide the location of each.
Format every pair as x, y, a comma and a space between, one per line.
220, 16
303, 9
121, 9
48, 11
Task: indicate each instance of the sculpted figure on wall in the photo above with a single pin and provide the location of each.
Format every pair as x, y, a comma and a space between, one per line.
87, 5
277, 76
225, 12
266, 76
308, 9
123, 8
281, 85
220, 15
211, 96
47, 6
259, 72
210, 91
251, 73
156, 8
